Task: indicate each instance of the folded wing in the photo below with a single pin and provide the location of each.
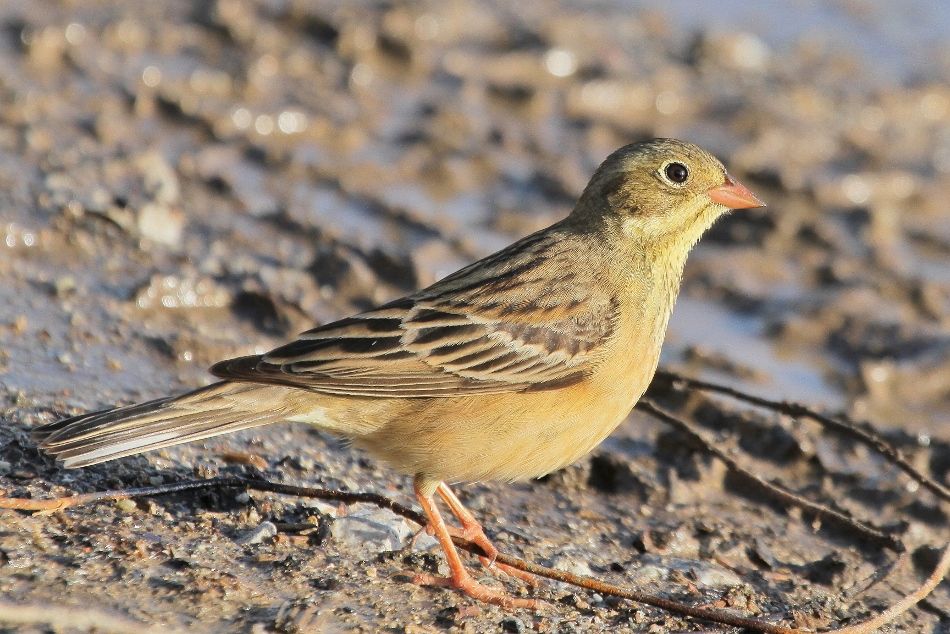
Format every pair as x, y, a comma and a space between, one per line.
511, 327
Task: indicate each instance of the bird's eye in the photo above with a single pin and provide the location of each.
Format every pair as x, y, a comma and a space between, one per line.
677, 173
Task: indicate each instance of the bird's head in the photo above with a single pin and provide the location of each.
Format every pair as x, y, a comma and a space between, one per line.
662, 191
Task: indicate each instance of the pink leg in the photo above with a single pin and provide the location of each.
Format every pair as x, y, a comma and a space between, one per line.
473, 532
460, 577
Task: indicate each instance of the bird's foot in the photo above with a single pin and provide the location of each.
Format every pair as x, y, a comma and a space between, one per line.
472, 532
504, 570
468, 586
475, 534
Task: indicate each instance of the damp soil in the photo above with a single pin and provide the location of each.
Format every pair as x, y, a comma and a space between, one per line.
182, 182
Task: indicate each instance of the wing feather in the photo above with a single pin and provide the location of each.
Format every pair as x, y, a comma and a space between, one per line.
495, 326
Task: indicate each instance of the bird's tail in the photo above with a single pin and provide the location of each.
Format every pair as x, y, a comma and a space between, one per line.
216, 409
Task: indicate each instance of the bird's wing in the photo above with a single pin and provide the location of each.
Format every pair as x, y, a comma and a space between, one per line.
505, 324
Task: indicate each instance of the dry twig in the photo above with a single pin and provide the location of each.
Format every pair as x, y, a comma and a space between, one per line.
715, 616
347, 497
776, 491
27, 614
863, 434
939, 574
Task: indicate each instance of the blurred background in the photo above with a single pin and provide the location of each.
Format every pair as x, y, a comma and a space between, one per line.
184, 181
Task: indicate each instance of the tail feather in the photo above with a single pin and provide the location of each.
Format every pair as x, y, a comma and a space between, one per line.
109, 450
127, 425
41, 433
216, 409
76, 426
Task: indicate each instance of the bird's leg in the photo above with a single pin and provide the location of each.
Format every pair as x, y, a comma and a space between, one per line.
471, 528
460, 578
472, 531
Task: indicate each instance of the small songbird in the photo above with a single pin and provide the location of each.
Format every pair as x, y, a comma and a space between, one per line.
513, 367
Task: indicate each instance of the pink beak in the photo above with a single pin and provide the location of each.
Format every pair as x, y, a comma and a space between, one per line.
734, 195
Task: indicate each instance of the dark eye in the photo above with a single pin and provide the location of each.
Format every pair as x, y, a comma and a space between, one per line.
677, 172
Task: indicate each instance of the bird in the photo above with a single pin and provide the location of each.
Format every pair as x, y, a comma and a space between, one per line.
508, 369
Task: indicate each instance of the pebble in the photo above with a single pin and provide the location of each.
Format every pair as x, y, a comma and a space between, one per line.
704, 574
126, 506
371, 531
160, 223
648, 573
262, 532
571, 565
64, 285
160, 179
714, 576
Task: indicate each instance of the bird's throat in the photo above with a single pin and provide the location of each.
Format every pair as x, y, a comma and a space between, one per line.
657, 273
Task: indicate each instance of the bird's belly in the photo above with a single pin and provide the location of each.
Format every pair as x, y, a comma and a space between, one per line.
502, 437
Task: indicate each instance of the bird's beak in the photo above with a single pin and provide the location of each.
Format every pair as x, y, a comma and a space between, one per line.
734, 195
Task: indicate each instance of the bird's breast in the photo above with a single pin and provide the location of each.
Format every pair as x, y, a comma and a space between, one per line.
517, 435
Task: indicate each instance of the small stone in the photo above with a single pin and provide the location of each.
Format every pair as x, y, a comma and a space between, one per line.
263, 531
324, 508
513, 625
20, 324
425, 542
716, 577
161, 181
64, 285
571, 565
371, 531
126, 506
161, 223
648, 573
304, 463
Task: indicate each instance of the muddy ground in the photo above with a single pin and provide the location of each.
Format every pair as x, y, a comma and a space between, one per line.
181, 182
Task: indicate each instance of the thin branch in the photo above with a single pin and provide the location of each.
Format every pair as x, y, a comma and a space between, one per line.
715, 616
865, 435
675, 607
776, 491
939, 574
878, 576
222, 482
